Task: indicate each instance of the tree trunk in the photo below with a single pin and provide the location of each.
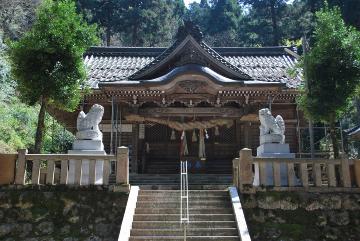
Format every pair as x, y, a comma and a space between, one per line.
108, 36
274, 23
135, 34
357, 104
333, 137
40, 127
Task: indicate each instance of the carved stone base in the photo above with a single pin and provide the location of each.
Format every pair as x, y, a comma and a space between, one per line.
274, 150
89, 135
271, 138
93, 145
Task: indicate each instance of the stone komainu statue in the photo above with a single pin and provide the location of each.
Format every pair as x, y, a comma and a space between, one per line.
272, 129
88, 124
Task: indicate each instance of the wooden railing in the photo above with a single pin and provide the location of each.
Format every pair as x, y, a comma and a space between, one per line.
52, 161
249, 171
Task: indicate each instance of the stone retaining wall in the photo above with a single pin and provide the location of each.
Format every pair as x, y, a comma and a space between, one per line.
302, 216
60, 213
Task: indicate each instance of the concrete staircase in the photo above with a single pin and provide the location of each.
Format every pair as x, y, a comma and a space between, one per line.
172, 181
157, 216
171, 166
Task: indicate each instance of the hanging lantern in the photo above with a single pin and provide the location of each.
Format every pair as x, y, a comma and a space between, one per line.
172, 137
194, 136
217, 133
206, 134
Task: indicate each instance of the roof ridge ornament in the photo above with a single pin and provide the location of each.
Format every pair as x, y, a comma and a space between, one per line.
189, 28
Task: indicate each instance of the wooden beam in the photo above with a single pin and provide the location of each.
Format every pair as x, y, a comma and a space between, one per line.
198, 111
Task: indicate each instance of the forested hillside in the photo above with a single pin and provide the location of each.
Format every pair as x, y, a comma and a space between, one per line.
154, 22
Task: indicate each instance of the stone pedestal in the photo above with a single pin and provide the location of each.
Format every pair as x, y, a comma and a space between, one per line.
85, 167
273, 150
95, 145
271, 139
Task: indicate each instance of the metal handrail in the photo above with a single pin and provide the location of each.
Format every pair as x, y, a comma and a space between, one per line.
184, 195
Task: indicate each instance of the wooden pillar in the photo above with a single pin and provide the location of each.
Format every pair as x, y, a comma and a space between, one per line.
246, 135
135, 144
238, 133
122, 165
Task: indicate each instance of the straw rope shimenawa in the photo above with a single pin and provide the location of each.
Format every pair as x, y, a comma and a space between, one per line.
182, 126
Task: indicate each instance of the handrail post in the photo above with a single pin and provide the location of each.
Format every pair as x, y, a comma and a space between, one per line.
122, 165
20, 168
184, 194
246, 175
235, 172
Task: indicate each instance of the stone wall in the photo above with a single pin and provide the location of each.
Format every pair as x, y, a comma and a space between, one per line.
302, 216
53, 213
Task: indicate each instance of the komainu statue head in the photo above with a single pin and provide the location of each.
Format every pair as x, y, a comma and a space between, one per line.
271, 126
88, 124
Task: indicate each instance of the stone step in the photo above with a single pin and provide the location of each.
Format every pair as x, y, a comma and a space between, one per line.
177, 187
177, 176
175, 198
181, 238
204, 232
177, 210
176, 224
176, 217
192, 193
191, 182
176, 204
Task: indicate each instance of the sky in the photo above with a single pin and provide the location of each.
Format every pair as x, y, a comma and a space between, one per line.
187, 2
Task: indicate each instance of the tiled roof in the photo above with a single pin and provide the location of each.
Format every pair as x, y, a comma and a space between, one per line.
109, 64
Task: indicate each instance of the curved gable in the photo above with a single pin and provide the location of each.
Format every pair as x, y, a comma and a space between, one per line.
189, 51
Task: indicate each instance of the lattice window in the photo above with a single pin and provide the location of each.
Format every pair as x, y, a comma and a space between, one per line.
157, 133
227, 135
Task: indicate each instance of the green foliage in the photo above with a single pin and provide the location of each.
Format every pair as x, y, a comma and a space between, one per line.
16, 17
135, 22
57, 138
47, 62
264, 20
151, 22
332, 67
18, 125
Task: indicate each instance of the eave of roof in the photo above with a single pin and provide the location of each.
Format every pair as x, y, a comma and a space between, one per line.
116, 64
156, 51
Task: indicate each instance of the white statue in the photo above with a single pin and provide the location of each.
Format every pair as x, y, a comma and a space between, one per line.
88, 124
272, 129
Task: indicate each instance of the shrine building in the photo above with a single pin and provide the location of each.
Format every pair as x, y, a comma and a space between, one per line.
188, 101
